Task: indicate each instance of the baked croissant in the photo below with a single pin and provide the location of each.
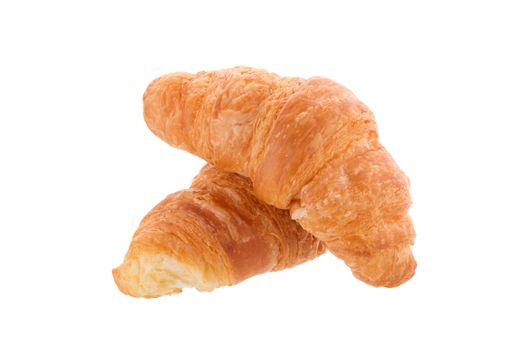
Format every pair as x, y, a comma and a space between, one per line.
214, 234
308, 145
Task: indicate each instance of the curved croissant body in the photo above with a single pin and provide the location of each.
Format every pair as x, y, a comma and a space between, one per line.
214, 234
308, 145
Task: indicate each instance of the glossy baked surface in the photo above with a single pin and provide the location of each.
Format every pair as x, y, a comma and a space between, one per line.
214, 234
308, 145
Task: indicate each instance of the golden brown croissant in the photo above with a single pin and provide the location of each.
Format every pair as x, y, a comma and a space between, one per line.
308, 145
214, 234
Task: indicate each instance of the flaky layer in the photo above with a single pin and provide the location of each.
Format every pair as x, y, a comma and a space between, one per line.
290, 136
214, 234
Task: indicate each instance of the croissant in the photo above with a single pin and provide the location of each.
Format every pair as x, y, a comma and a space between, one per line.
214, 234
308, 145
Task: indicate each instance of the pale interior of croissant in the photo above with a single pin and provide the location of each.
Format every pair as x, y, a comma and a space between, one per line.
150, 275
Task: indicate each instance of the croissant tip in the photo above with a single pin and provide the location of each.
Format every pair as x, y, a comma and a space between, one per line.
149, 275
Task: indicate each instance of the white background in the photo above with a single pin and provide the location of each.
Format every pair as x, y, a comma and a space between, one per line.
79, 169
